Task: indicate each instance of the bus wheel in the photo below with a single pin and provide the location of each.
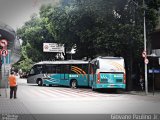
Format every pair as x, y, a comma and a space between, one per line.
93, 89
73, 84
39, 81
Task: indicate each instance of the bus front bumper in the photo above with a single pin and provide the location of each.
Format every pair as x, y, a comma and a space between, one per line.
98, 86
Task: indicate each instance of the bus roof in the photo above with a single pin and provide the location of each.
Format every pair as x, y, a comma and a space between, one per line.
63, 62
106, 57
110, 57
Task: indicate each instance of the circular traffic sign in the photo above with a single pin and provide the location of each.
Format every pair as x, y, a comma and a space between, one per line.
3, 42
4, 52
144, 54
146, 61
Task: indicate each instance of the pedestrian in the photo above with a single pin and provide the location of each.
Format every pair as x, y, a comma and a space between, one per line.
141, 81
20, 73
13, 85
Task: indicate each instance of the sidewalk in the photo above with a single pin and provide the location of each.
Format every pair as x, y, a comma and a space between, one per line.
142, 93
12, 108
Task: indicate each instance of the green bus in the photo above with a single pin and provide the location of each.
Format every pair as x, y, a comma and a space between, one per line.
101, 72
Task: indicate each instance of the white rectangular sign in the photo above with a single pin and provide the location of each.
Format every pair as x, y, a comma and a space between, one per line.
53, 47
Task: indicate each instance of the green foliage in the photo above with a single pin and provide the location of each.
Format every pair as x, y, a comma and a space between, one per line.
25, 65
96, 27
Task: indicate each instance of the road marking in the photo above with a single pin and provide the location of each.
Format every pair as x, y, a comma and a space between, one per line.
59, 92
66, 93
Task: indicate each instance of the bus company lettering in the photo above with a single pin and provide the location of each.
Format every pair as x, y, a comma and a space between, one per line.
73, 75
118, 75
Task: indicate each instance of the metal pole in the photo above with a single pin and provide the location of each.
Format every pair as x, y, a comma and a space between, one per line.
5, 82
71, 56
0, 73
145, 48
153, 76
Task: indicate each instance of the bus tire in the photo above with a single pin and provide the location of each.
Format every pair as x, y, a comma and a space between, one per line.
39, 82
73, 84
93, 89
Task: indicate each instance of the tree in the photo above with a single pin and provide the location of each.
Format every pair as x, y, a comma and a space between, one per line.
102, 27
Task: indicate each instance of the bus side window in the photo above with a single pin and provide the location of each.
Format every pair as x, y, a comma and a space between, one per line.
75, 69
85, 68
91, 69
96, 64
65, 69
58, 69
50, 69
43, 69
39, 69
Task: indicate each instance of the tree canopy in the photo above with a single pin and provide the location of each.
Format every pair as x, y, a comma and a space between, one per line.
93, 27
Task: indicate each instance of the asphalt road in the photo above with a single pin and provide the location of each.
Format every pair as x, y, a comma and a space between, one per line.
64, 100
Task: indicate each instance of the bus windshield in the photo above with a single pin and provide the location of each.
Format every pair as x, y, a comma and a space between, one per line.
111, 65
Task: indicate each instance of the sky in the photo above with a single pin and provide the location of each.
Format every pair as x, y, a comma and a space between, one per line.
16, 12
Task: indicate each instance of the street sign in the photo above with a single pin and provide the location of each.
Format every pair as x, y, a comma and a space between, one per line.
6, 59
146, 61
3, 42
53, 47
144, 54
154, 70
4, 52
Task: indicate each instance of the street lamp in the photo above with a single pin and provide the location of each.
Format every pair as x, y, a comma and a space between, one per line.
145, 48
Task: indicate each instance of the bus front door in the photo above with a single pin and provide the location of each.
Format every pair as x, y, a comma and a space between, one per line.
64, 79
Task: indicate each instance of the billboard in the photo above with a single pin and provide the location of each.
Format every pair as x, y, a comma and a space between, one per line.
53, 47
